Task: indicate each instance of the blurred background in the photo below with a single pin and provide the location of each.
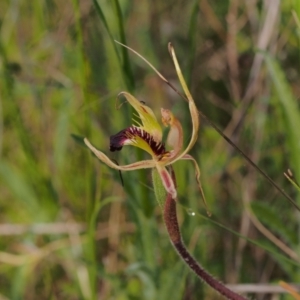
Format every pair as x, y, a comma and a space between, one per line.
69, 228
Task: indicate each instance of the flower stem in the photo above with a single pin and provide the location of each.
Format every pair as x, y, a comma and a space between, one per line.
171, 222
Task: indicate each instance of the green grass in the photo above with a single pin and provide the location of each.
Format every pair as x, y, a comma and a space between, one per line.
60, 73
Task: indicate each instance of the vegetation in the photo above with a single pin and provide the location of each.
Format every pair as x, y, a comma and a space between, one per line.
72, 228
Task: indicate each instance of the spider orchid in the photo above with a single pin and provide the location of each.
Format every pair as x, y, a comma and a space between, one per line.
147, 135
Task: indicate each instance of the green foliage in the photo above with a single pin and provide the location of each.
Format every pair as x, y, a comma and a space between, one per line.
69, 228
159, 190
290, 110
270, 217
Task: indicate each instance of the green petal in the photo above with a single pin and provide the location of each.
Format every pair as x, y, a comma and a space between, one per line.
146, 115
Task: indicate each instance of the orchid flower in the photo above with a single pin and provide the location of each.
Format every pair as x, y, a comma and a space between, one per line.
147, 135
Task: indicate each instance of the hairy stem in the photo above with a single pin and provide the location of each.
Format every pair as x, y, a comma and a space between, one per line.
171, 222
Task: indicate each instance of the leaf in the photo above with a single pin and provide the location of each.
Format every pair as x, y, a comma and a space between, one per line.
61, 134
270, 217
290, 109
22, 190
78, 139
